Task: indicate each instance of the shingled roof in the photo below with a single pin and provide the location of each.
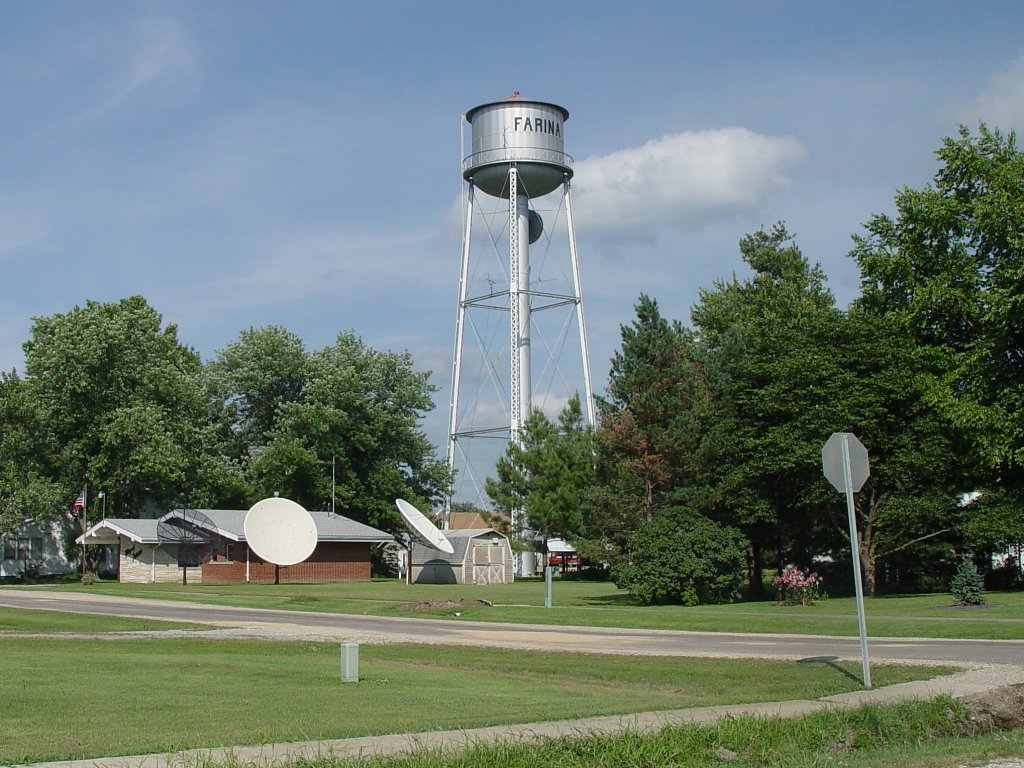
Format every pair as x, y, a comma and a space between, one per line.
229, 523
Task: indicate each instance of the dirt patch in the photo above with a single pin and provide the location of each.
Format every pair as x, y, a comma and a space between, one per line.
443, 605
1001, 709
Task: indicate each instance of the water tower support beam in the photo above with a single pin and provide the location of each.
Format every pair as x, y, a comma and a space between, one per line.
460, 325
588, 386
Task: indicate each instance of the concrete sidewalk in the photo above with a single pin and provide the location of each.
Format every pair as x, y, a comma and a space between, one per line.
963, 683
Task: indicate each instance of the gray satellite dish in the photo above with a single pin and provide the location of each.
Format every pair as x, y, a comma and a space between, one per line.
423, 529
280, 531
536, 226
187, 536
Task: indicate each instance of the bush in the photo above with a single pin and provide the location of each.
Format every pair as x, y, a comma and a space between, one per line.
967, 585
796, 587
685, 558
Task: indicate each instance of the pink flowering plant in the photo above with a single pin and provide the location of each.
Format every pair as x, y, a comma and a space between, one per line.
796, 587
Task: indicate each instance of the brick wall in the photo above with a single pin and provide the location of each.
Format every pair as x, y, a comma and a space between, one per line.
330, 562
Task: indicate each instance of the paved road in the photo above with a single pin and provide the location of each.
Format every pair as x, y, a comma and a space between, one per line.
236, 621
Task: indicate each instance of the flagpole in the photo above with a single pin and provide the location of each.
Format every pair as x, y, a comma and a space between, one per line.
85, 504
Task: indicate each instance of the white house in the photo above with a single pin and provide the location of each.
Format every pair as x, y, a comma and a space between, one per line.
342, 551
35, 549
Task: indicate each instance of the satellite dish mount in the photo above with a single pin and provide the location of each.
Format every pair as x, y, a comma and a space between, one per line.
422, 529
186, 535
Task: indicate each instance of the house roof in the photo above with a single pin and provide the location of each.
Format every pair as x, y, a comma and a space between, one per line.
230, 523
108, 530
460, 543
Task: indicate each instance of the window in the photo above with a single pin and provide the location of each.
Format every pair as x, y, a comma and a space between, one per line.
10, 549
28, 549
223, 552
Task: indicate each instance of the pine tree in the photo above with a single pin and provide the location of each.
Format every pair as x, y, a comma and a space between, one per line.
967, 586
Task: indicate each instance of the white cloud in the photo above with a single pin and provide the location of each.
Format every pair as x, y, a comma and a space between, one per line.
681, 181
160, 54
1001, 104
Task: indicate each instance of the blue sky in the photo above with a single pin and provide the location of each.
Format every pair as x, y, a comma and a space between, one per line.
297, 163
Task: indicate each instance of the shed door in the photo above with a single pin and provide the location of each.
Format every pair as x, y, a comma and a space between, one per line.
488, 563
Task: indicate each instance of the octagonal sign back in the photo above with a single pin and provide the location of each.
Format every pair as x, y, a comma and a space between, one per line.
832, 461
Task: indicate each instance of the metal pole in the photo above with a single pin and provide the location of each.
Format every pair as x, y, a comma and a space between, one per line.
588, 389
460, 319
516, 306
547, 585
855, 550
85, 522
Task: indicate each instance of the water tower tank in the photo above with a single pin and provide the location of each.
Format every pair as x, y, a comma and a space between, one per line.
516, 131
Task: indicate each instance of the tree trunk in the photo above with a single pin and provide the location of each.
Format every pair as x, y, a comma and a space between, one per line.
869, 564
649, 501
754, 570
868, 545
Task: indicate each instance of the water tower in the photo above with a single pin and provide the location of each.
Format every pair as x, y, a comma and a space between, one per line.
517, 160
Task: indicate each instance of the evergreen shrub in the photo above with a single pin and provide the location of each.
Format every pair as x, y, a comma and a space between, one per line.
967, 585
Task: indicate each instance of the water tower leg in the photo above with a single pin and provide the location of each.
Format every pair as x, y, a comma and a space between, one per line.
588, 387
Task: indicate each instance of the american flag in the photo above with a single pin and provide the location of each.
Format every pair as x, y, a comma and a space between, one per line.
79, 502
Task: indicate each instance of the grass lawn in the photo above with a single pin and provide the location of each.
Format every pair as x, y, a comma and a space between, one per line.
73, 698
578, 603
17, 620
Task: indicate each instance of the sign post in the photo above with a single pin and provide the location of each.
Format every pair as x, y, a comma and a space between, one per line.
844, 460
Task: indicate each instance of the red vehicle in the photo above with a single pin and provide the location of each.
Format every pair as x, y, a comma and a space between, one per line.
566, 560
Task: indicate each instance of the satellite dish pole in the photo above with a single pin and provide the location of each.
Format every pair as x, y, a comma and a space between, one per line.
517, 155
186, 535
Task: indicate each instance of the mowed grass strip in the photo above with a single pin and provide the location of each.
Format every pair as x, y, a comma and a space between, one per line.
39, 621
68, 699
601, 604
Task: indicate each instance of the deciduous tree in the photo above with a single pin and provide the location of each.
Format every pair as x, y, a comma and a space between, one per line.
950, 268
121, 401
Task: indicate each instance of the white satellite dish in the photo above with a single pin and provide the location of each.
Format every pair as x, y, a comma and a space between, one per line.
280, 531
423, 529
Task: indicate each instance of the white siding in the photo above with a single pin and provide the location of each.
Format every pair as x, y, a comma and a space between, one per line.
40, 546
151, 564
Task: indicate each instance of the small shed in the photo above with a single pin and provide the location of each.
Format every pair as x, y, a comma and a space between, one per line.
482, 556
